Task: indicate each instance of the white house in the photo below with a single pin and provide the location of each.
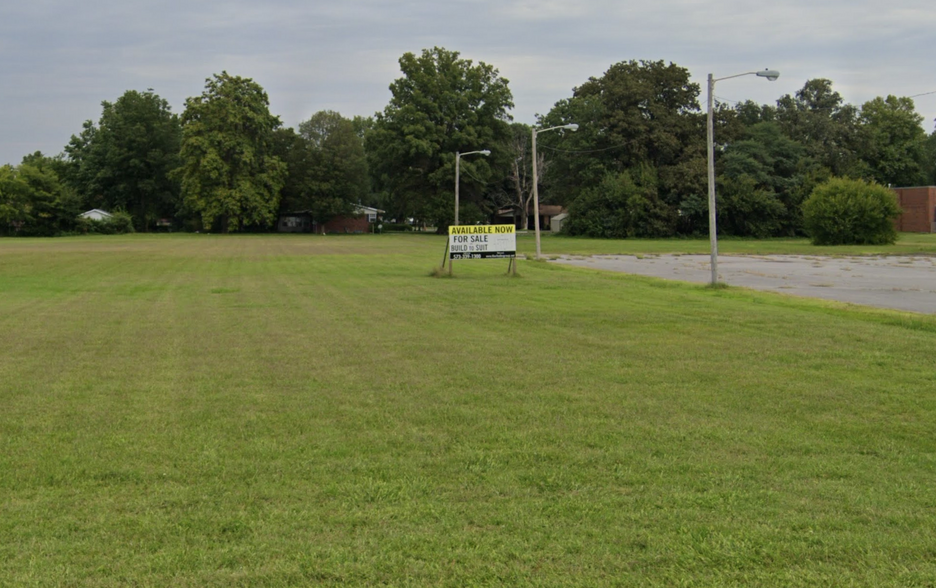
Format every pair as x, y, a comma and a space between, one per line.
370, 213
95, 214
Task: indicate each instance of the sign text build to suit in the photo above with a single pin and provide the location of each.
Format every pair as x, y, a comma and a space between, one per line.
482, 241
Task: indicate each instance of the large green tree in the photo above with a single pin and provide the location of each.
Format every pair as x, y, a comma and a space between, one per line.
327, 168
81, 163
126, 161
14, 201
762, 181
33, 199
338, 177
818, 118
893, 142
443, 104
295, 153
230, 174
641, 133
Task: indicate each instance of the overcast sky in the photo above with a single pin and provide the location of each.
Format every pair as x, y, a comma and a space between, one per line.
60, 59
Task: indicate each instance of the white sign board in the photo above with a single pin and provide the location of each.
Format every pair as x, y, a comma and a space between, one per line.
482, 241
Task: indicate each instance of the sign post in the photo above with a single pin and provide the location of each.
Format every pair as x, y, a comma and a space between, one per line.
482, 242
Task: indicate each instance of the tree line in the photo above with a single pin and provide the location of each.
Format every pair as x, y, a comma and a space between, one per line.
635, 168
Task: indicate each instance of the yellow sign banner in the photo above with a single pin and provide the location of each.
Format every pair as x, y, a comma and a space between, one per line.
482, 230
482, 241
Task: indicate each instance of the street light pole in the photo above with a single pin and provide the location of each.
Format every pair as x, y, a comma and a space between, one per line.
536, 222
458, 156
710, 142
710, 132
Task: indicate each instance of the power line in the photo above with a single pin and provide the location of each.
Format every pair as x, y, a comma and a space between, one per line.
476, 178
721, 100
582, 152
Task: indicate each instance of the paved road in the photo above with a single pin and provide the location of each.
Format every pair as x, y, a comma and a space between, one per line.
901, 283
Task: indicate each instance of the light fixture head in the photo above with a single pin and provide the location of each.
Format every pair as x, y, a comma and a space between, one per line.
571, 127
485, 152
770, 74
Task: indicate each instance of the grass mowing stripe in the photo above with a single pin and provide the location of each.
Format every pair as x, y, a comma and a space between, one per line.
266, 410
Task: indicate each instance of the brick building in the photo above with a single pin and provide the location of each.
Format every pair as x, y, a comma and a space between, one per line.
919, 209
302, 222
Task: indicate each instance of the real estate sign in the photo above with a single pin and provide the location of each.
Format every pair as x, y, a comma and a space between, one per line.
482, 241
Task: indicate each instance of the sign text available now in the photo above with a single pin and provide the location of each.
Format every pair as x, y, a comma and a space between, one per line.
482, 241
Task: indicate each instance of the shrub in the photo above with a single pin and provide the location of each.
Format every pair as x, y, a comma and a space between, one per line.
119, 223
623, 205
851, 212
746, 210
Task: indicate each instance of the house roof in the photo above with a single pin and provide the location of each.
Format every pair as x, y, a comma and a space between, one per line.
358, 209
544, 209
95, 212
550, 209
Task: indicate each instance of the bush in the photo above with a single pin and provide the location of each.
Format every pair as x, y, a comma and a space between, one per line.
119, 223
851, 212
745, 210
623, 205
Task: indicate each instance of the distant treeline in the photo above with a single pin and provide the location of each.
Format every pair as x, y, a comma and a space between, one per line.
636, 167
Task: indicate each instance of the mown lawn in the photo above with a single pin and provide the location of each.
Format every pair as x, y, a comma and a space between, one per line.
203, 410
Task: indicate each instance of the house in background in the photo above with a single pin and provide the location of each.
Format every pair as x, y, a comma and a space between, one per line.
360, 222
513, 216
303, 222
295, 222
919, 209
96, 214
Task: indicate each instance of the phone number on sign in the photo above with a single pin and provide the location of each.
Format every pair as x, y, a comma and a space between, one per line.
492, 255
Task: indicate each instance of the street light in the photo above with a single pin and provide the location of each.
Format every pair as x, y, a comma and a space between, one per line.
458, 157
536, 223
771, 75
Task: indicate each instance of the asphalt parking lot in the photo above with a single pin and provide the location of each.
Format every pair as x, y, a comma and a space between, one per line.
900, 283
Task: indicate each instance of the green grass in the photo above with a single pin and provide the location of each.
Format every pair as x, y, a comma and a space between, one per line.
302, 410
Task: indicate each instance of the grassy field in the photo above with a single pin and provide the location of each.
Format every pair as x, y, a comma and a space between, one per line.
203, 410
